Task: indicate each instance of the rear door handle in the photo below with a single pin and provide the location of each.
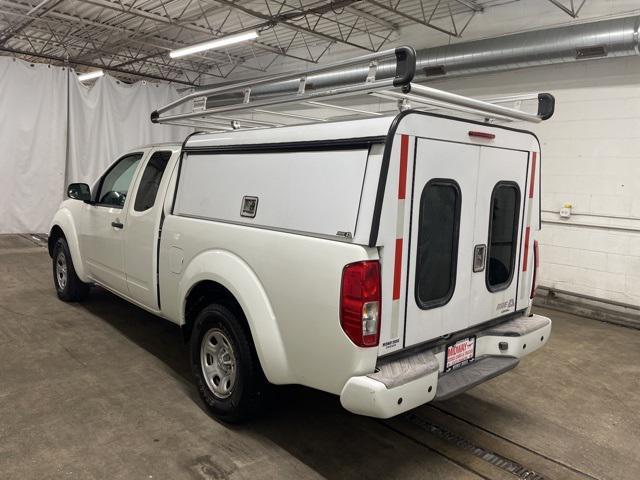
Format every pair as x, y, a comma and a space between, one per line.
117, 225
479, 254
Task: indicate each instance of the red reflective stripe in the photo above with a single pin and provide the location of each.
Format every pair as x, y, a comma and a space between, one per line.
525, 260
532, 185
397, 270
402, 191
402, 177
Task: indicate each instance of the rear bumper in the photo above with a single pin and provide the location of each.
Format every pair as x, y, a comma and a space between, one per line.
406, 383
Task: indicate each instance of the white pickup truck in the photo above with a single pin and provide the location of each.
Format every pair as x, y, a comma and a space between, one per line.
390, 261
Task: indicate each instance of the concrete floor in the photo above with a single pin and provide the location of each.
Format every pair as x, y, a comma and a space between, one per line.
103, 390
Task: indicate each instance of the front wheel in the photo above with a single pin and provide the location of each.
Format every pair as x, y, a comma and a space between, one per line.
225, 365
68, 286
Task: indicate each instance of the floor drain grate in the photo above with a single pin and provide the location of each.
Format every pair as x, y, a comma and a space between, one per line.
520, 471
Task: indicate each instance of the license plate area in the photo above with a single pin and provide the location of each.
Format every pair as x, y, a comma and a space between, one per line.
460, 353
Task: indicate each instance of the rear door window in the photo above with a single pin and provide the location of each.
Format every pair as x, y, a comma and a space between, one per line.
503, 233
438, 233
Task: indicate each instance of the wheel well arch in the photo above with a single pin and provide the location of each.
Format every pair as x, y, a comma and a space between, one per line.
55, 233
204, 293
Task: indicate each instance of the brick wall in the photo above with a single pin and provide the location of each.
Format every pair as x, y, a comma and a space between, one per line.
590, 159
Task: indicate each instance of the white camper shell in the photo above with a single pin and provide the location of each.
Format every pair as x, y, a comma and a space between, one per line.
388, 260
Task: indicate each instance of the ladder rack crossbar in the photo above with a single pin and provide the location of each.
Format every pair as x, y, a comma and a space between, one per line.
267, 102
405, 70
431, 105
230, 104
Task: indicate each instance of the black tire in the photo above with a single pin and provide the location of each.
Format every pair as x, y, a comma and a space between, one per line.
247, 396
72, 289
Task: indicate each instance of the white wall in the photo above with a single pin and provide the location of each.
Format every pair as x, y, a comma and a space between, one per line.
591, 159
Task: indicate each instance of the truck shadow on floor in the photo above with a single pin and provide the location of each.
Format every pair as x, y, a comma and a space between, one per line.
164, 340
310, 425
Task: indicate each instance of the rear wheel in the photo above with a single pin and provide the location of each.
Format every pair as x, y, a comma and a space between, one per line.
225, 365
68, 286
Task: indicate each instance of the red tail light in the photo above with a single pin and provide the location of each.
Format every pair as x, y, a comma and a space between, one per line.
360, 303
536, 264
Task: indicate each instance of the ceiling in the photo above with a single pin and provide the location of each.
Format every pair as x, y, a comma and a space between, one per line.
131, 38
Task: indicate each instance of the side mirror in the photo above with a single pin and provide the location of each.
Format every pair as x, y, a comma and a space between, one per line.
79, 191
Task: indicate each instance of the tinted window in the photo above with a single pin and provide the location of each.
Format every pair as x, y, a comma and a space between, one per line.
438, 226
115, 184
503, 231
148, 189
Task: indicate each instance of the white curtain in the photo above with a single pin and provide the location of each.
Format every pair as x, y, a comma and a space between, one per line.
37, 104
111, 117
33, 124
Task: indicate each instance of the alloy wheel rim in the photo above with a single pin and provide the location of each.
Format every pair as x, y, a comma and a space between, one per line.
61, 270
218, 363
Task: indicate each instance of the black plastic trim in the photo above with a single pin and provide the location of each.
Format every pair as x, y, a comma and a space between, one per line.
384, 171
405, 66
546, 105
154, 116
158, 256
310, 145
386, 158
182, 150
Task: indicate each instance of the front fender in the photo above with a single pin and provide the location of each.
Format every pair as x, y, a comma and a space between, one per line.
64, 219
235, 275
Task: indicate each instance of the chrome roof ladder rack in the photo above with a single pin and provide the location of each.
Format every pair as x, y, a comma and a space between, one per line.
386, 75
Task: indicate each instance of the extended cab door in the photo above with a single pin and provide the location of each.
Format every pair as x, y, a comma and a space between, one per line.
104, 221
141, 235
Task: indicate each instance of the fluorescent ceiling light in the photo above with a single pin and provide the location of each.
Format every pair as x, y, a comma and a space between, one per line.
217, 43
91, 75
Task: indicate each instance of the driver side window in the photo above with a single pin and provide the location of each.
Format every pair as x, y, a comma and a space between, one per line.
115, 184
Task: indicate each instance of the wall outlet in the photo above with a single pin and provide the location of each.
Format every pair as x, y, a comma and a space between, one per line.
565, 211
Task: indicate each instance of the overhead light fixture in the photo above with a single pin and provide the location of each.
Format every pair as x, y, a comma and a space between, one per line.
217, 43
91, 75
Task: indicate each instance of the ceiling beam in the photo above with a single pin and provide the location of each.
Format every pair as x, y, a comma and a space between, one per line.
8, 35
395, 11
101, 49
295, 13
173, 67
272, 21
572, 12
62, 60
126, 32
136, 12
472, 5
372, 18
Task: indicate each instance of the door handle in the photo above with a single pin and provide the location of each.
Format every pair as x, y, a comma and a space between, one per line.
479, 254
117, 225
